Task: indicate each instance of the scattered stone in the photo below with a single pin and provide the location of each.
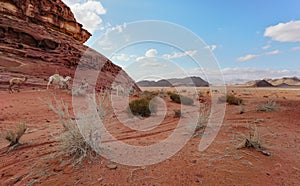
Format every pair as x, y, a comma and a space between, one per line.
112, 166
266, 153
100, 179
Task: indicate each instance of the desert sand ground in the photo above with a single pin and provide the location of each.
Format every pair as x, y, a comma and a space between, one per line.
34, 161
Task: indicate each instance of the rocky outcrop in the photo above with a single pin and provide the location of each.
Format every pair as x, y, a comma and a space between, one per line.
40, 38
262, 83
186, 82
53, 14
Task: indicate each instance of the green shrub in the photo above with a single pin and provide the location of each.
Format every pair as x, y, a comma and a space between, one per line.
149, 94
231, 100
142, 107
170, 93
181, 99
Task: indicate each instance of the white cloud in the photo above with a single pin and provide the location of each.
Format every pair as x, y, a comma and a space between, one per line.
180, 54
274, 52
284, 32
151, 53
88, 13
253, 56
153, 64
211, 47
119, 28
139, 59
266, 47
123, 57
247, 57
296, 48
242, 75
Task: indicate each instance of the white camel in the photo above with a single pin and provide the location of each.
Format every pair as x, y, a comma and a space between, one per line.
16, 81
82, 89
60, 80
118, 88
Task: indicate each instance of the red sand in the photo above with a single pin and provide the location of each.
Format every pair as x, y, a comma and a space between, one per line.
34, 162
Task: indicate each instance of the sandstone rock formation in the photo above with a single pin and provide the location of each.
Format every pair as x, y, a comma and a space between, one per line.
40, 38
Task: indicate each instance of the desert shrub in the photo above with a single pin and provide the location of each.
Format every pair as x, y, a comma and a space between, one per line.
170, 93
267, 107
231, 100
149, 94
200, 94
73, 144
177, 113
14, 136
181, 99
142, 107
253, 141
202, 120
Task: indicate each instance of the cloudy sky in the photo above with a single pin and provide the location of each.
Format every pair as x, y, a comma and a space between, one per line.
249, 39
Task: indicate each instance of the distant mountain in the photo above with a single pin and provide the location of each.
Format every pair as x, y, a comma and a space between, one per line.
281, 82
185, 82
263, 83
285, 80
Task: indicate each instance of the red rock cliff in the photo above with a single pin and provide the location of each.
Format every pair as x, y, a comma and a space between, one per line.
52, 14
40, 38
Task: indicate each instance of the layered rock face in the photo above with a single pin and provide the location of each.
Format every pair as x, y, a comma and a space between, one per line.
41, 37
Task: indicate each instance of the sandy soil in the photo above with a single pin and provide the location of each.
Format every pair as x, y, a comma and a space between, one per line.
34, 162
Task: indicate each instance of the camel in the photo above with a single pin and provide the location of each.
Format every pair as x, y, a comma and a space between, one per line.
82, 90
118, 88
16, 81
60, 80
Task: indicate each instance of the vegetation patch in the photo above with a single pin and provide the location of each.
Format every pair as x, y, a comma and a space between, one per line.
142, 107
149, 94
73, 144
14, 136
269, 106
253, 141
204, 113
231, 100
177, 98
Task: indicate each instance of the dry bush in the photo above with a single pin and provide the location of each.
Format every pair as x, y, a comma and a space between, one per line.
252, 141
142, 107
204, 113
14, 136
177, 98
231, 100
149, 94
73, 144
267, 107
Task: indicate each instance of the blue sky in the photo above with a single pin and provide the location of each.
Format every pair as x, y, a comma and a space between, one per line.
250, 39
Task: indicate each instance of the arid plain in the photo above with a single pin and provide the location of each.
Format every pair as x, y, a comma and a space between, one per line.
35, 161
